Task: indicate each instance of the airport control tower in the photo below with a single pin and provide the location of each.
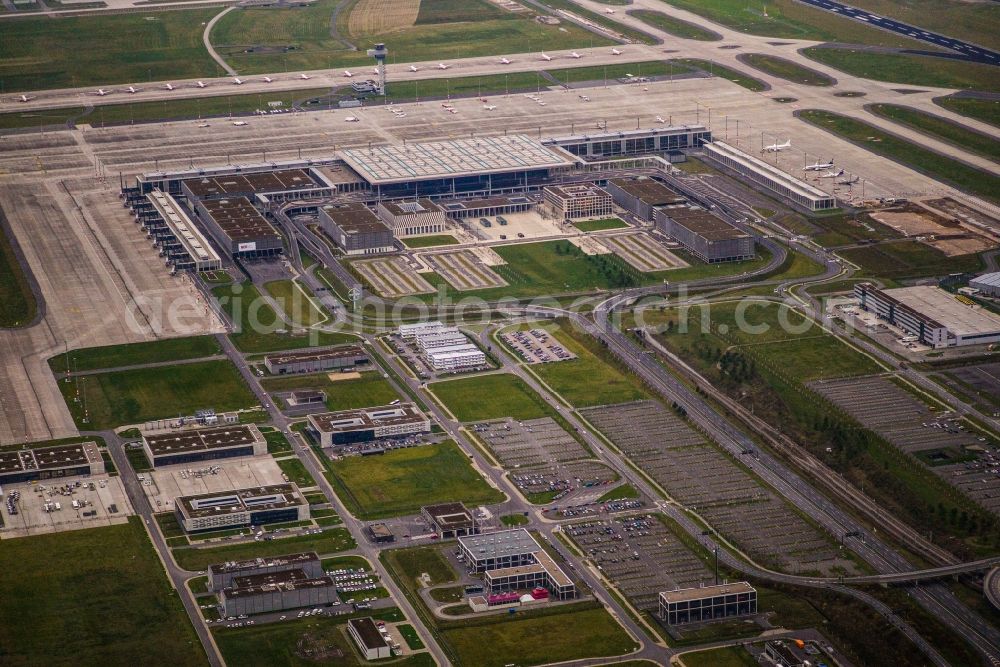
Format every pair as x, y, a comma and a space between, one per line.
379, 53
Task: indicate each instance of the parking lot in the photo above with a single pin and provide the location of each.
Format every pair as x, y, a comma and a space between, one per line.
392, 276
66, 504
704, 479
532, 442
165, 484
643, 251
463, 270
640, 556
979, 478
381, 445
536, 346
979, 382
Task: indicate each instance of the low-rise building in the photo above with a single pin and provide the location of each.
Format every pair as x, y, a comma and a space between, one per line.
411, 331
242, 507
221, 575
238, 227
987, 284
642, 195
690, 605
380, 533
784, 654
58, 461
314, 361
412, 218
704, 234
450, 520
354, 228
441, 338
277, 591
577, 201
366, 424
370, 641
203, 444
512, 560
455, 357
306, 398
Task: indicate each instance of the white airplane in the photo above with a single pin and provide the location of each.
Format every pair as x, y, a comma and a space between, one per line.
489, 107
585, 98
132, 90
102, 92
776, 148
546, 57
347, 73
659, 119
616, 52
201, 84
832, 174
239, 123
848, 181
575, 55
25, 98
505, 61
819, 166
608, 10
237, 81
304, 77
443, 66
268, 79
169, 86
400, 115
374, 70
202, 124
351, 119
414, 68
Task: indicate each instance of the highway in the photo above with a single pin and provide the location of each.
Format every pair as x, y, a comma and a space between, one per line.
970, 51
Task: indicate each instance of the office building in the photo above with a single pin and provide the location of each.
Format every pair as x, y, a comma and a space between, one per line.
371, 643
412, 218
691, 605
710, 238
242, 507
450, 520
578, 201
277, 591
203, 444
512, 560
938, 318
366, 424
221, 575
56, 462
314, 361
354, 228
455, 357
411, 331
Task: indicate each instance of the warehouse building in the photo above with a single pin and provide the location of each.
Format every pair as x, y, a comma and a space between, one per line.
642, 196
935, 316
56, 462
704, 234
412, 218
238, 227
604, 144
577, 201
221, 575
337, 358
242, 507
692, 605
450, 520
768, 176
356, 229
370, 641
204, 444
987, 284
366, 424
278, 591
513, 560
177, 237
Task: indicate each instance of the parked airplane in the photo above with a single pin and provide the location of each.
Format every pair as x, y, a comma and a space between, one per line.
575, 55
132, 90
201, 84
819, 166
832, 174
505, 61
237, 81
414, 68
347, 73
489, 107
102, 92
268, 79
202, 124
24, 98
443, 66
351, 119
616, 52
169, 86
608, 10
546, 57
848, 181
776, 148
659, 119
304, 77
239, 123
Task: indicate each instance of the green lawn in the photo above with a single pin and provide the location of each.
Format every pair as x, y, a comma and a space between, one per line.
905, 152
297, 305
256, 325
715, 69
551, 267
410, 636
513, 520
17, 302
430, 241
491, 396
38, 119
908, 259
727, 656
67, 607
412, 563
600, 72
130, 397
987, 111
134, 354
369, 390
38, 53
786, 69
296, 472
909, 69
277, 443
601, 19
600, 225
401, 481
941, 128
674, 26
327, 542
619, 492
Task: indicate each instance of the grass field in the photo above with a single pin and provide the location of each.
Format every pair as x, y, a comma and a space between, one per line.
905, 152
401, 481
297, 305
133, 396
940, 128
296, 472
328, 542
17, 302
600, 225
133, 354
987, 111
38, 119
909, 69
971, 21
39, 52
727, 656
87, 574
908, 259
788, 70
256, 324
370, 389
726, 73
412, 563
430, 241
674, 26
490, 397
620, 492
634, 35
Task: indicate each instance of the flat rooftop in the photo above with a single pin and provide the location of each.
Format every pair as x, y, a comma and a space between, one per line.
288, 560
400, 163
203, 439
239, 219
703, 223
243, 184
241, 500
368, 632
649, 191
577, 190
483, 202
366, 418
289, 580
794, 184
450, 515
943, 307
411, 207
48, 458
186, 232
626, 134
552, 568
355, 218
688, 594
335, 175
316, 355
500, 543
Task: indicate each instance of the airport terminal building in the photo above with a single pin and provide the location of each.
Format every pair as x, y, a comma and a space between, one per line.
704, 234
412, 218
239, 228
356, 229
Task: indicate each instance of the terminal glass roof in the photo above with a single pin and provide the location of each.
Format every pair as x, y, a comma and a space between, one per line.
398, 163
